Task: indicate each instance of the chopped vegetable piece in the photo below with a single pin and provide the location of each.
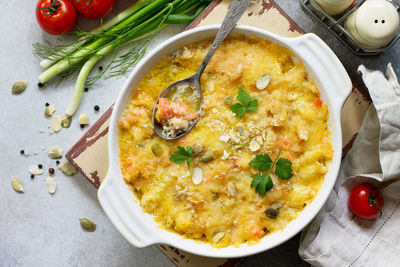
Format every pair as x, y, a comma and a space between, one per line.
17, 185
56, 123
55, 152
49, 110
67, 168
51, 185
35, 170
157, 149
83, 119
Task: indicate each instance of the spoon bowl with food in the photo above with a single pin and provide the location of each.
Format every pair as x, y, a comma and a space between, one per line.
178, 107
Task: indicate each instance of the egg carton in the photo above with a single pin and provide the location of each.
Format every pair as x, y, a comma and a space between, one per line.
335, 24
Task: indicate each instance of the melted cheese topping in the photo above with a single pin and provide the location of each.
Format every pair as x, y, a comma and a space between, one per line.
213, 201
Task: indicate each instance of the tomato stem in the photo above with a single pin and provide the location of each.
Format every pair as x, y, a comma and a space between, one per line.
371, 200
87, 2
55, 4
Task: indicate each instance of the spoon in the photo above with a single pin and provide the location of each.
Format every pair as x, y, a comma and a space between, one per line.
236, 10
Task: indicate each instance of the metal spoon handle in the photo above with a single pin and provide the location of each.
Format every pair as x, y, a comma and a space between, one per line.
236, 10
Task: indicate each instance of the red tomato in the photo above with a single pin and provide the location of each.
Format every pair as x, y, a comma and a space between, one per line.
366, 202
94, 9
56, 16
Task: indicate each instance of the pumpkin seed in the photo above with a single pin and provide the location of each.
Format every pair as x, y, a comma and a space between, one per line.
48, 111
157, 149
51, 185
83, 119
56, 123
197, 148
18, 87
67, 168
55, 152
87, 224
217, 237
228, 100
197, 176
263, 82
17, 185
66, 122
207, 156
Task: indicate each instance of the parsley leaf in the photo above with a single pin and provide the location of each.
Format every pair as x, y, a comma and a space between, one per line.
245, 103
261, 162
282, 169
262, 183
243, 97
238, 109
182, 155
253, 105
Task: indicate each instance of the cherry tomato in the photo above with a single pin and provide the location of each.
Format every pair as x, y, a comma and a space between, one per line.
366, 202
56, 16
94, 9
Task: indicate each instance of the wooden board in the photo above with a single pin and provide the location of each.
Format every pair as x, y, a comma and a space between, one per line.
89, 154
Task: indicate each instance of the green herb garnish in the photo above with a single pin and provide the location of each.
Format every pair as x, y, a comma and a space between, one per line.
182, 155
245, 103
263, 162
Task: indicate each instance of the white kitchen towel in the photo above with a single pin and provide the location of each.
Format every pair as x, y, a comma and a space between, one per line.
336, 237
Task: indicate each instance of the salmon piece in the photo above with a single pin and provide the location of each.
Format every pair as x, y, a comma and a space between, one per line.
257, 231
182, 111
164, 110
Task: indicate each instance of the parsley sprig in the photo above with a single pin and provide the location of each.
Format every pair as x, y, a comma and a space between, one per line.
182, 155
263, 162
245, 103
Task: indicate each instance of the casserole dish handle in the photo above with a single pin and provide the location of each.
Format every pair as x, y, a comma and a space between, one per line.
322, 58
117, 207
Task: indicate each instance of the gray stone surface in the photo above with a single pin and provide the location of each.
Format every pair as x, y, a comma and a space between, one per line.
38, 229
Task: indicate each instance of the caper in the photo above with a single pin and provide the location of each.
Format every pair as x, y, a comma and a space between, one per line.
207, 156
157, 149
272, 213
87, 224
66, 122
228, 100
18, 87
197, 148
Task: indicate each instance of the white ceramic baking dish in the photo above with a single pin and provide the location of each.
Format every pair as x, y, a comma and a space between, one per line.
139, 228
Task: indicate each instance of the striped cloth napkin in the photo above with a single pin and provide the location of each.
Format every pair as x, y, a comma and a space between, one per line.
336, 237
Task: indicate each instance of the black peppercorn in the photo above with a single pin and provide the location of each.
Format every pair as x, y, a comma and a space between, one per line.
57, 162
86, 89
32, 176
100, 67
40, 166
40, 84
47, 104
82, 126
22, 152
96, 108
51, 170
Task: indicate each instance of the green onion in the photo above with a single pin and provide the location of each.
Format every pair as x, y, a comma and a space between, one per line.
140, 22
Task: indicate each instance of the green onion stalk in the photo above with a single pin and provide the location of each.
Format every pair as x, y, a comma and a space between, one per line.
142, 20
